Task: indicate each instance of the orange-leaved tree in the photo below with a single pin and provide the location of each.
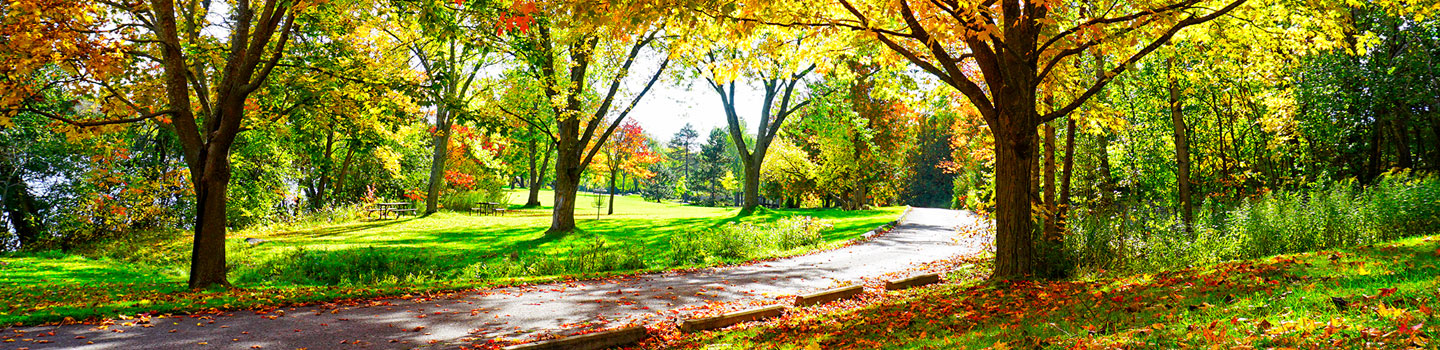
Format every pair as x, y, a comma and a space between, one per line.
627, 152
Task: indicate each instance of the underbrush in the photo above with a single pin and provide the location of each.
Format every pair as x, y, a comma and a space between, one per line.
742, 241
1325, 216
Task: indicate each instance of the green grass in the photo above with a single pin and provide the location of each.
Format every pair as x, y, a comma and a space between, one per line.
309, 262
1285, 301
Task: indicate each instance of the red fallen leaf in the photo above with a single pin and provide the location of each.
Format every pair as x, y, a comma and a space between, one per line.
297, 331
1117, 298
1384, 292
79, 337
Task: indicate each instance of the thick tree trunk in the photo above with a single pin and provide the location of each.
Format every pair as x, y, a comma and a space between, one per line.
567, 176
1014, 227
211, 181
437, 164
751, 198
1182, 151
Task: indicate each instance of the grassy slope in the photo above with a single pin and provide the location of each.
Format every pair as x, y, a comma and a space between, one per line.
145, 273
1283, 302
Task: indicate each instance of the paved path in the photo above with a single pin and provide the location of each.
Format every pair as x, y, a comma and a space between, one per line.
926, 235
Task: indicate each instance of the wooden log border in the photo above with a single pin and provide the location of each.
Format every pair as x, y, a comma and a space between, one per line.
729, 319
913, 282
593, 341
829, 295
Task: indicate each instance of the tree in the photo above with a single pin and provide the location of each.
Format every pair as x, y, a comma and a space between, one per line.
779, 58
206, 123
1002, 55
560, 49
519, 103
627, 152
684, 144
712, 167
439, 35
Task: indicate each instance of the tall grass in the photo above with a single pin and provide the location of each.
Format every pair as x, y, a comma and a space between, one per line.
1325, 216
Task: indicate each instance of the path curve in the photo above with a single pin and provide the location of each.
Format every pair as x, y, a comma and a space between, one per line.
925, 235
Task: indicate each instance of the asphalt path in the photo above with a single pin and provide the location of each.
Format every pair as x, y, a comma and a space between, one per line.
924, 236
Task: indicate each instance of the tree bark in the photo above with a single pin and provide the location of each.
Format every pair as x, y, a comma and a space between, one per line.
1182, 148
1068, 172
1400, 134
339, 186
325, 168
538, 181
441, 151
1052, 228
1014, 228
614, 173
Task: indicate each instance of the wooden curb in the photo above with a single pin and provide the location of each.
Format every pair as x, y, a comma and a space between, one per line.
912, 282
830, 295
732, 318
592, 341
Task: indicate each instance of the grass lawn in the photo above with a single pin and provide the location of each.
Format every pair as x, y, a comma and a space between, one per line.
369, 258
1380, 296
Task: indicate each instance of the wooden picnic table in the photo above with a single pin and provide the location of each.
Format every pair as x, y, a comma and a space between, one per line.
396, 208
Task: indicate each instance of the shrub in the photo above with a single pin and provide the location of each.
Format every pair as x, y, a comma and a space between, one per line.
741, 241
1326, 215
464, 200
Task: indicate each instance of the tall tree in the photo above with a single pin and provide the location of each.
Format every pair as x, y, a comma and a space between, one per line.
684, 144
440, 36
778, 59
203, 103
1002, 55
564, 50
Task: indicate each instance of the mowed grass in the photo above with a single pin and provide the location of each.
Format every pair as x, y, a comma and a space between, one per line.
1382, 296
305, 263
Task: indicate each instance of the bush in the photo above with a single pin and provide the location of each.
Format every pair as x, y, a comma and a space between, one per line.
1325, 216
742, 241
345, 267
464, 200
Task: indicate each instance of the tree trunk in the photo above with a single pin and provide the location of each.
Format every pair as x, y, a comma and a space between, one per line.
614, 173
1068, 172
752, 185
437, 165
1400, 134
567, 175
1052, 228
1182, 150
19, 206
1372, 170
325, 168
537, 180
344, 169
211, 180
1014, 228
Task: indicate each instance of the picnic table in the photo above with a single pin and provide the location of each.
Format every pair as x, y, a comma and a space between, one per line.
490, 208
386, 209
